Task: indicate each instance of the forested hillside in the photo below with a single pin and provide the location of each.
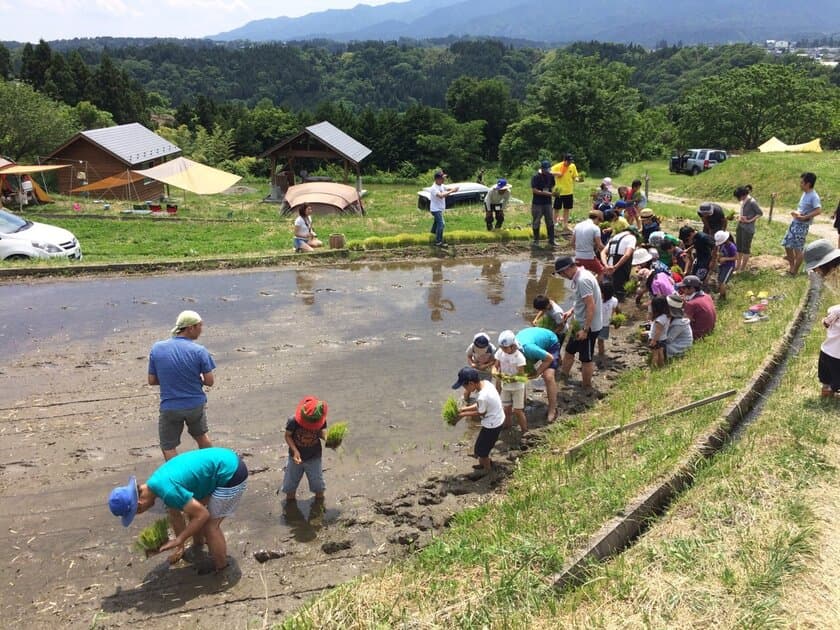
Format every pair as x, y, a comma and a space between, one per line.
461, 105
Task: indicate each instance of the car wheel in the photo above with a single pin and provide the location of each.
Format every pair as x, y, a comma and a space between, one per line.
695, 170
17, 257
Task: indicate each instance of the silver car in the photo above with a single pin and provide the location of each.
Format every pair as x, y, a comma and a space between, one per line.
21, 239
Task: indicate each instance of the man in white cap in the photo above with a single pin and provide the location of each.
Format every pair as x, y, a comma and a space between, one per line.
182, 368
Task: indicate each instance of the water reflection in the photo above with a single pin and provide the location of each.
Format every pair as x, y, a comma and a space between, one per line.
436, 302
304, 528
491, 271
305, 284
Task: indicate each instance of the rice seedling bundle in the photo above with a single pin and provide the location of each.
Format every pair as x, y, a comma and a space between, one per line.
450, 411
618, 319
546, 321
514, 378
335, 434
630, 286
152, 537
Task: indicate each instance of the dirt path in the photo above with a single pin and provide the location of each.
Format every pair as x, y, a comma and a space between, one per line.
76, 420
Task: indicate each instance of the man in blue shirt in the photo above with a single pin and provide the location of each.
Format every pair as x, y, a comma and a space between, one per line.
206, 485
182, 368
809, 207
541, 348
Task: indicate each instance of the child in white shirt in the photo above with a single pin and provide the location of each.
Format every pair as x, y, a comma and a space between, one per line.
510, 363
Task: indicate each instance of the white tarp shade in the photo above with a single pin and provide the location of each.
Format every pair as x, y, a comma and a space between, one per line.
192, 176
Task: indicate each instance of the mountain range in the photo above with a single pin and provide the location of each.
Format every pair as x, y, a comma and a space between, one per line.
645, 22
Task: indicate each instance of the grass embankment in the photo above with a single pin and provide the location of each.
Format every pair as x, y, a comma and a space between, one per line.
753, 543
241, 225
493, 566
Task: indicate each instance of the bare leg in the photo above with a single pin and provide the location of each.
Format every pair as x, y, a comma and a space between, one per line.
586, 370
176, 520
790, 256
600, 347
507, 423
485, 462
203, 441
169, 453
550, 393
568, 362
216, 542
798, 257
522, 420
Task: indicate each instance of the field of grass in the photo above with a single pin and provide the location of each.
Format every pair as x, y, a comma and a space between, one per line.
241, 224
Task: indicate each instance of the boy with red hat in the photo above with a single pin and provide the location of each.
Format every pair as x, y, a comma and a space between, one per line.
304, 433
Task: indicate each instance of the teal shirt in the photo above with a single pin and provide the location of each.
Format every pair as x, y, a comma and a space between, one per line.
536, 342
193, 474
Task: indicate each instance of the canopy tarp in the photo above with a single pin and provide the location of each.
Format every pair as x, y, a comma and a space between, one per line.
324, 197
114, 181
774, 145
23, 169
192, 176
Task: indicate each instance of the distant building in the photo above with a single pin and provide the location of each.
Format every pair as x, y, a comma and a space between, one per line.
100, 153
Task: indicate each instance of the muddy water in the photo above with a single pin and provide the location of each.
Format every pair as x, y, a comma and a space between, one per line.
381, 343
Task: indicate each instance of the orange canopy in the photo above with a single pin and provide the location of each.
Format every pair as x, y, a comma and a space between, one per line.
119, 180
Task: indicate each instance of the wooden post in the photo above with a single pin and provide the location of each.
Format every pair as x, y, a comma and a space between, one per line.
772, 203
647, 186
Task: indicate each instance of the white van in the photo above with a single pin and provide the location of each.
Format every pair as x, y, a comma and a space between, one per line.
20, 239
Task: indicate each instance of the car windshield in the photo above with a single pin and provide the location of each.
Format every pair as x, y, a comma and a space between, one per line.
10, 223
691, 154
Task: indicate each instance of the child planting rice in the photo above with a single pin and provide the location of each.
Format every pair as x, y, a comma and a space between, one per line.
510, 362
487, 408
304, 432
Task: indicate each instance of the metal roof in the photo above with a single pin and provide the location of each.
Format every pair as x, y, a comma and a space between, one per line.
132, 143
339, 141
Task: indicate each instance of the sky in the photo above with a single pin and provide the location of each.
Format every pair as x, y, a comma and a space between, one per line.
31, 20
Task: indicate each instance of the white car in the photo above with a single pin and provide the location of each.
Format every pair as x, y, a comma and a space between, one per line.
20, 239
468, 192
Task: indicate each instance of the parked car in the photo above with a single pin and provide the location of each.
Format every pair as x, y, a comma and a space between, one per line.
20, 238
696, 161
468, 192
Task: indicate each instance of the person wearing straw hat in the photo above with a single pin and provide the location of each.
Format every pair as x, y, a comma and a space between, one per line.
727, 255
304, 432
182, 368
823, 258
495, 202
205, 484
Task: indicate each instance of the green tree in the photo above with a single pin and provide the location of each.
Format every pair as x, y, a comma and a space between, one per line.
489, 100
59, 82
35, 61
743, 107
5, 62
88, 116
31, 124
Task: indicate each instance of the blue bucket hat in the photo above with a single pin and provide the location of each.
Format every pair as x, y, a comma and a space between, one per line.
123, 501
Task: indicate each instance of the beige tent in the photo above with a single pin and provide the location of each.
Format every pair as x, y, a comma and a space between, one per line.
324, 197
192, 176
10, 168
774, 145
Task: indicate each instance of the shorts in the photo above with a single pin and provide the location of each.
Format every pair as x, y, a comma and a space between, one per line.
566, 202
828, 370
171, 425
591, 264
513, 397
294, 473
604, 333
554, 351
743, 240
795, 235
300, 242
225, 499
583, 348
724, 274
701, 272
486, 440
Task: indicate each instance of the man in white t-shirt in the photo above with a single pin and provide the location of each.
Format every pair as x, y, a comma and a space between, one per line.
588, 312
437, 204
586, 241
487, 407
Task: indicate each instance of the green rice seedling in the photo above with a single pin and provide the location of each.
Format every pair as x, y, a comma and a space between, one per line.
574, 327
618, 320
631, 286
335, 434
151, 538
546, 321
450, 411
514, 378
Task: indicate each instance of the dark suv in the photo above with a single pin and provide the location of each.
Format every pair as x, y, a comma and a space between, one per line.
695, 161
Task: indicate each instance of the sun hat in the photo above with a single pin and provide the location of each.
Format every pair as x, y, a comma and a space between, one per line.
123, 501
466, 375
647, 213
706, 209
185, 320
607, 181
641, 256
563, 263
311, 413
690, 281
819, 253
507, 339
721, 236
675, 303
545, 165
481, 340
